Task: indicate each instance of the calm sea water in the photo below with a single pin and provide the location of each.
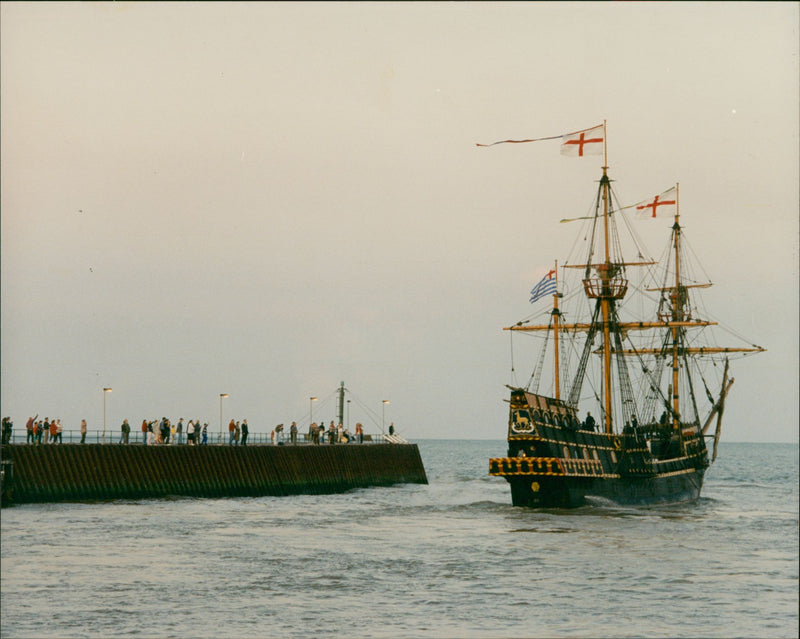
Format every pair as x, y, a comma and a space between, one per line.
451, 559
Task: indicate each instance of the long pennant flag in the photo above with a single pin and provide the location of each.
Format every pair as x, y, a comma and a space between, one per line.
552, 137
577, 144
546, 287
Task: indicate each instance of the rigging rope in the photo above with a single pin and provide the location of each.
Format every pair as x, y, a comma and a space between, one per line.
575, 391
536, 375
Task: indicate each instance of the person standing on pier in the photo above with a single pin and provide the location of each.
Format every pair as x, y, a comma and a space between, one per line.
231, 430
245, 432
144, 432
83, 431
29, 427
179, 431
293, 433
163, 431
205, 434
126, 429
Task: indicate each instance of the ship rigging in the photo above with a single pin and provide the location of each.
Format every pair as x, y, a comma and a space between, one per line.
630, 339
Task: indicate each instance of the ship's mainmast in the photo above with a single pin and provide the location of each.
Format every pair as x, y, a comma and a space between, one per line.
606, 287
678, 297
606, 297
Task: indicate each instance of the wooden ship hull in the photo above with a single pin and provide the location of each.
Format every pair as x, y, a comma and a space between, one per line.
572, 492
553, 462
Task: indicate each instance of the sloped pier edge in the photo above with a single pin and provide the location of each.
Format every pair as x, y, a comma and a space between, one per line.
94, 471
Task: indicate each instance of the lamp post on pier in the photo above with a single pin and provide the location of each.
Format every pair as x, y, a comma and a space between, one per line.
383, 415
106, 391
221, 397
311, 401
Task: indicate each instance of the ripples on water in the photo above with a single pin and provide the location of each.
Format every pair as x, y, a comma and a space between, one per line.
451, 559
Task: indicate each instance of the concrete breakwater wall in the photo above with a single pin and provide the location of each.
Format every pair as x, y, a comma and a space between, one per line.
96, 471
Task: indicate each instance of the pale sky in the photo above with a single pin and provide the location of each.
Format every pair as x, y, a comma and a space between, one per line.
266, 199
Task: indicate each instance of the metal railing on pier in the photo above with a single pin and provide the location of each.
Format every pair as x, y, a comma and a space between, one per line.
213, 439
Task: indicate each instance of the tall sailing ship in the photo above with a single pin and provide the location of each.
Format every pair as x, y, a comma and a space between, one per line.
637, 376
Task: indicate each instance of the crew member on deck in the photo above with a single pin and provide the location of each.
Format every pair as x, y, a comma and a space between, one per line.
589, 421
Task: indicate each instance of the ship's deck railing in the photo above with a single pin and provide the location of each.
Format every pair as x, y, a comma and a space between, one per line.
214, 439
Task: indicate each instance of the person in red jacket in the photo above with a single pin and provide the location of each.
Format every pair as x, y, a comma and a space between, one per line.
29, 427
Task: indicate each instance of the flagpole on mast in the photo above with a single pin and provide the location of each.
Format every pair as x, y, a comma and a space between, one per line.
605, 145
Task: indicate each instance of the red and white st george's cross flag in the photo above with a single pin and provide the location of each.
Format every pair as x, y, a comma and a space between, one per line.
665, 203
580, 143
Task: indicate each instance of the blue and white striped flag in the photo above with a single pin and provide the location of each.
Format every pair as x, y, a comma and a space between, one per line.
546, 287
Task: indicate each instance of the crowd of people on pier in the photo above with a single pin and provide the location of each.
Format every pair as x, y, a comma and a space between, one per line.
192, 433
163, 431
38, 431
317, 434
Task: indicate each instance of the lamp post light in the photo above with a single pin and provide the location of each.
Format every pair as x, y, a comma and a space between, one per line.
383, 416
311, 401
221, 397
106, 391
348, 414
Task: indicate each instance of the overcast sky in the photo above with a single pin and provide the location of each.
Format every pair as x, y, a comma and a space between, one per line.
266, 199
